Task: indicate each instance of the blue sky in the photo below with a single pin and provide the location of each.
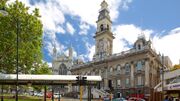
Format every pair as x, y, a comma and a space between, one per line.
73, 23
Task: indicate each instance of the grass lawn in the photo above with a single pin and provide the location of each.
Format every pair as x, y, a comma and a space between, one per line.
25, 98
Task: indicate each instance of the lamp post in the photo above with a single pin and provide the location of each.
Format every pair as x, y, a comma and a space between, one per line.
17, 56
5, 13
162, 70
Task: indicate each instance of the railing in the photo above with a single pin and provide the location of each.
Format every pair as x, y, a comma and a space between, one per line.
140, 70
114, 73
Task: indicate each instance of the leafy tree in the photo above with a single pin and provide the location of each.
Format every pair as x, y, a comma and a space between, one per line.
42, 69
29, 28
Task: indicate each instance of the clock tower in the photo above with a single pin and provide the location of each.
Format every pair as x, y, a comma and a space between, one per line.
103, 36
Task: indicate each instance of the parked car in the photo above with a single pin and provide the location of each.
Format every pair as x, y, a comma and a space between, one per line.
119, 99
56, 95
49, 94
40, 94
135, 99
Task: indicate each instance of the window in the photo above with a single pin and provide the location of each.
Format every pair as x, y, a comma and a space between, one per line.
107, 27
139, 65
111, 69
118, 82
62, 69
101, 27
127, 81
127, 68
139, 80
118, 68
139, 47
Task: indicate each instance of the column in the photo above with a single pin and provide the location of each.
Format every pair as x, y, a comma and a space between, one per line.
132, 74
147, 72
106, 79
69, 87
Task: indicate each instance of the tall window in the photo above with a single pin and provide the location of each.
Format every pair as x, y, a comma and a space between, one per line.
139, 80
118, 68
127, 68
127, 81
62, 69
107, 27
139, 65
101, 27
139, 47
111, 69
118, 82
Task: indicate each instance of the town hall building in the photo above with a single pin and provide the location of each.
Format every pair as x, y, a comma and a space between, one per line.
128, 73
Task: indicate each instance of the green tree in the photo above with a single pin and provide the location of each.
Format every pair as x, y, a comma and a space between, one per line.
43, 68
29, 27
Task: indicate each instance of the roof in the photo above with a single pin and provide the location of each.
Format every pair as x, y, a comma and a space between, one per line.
44, 79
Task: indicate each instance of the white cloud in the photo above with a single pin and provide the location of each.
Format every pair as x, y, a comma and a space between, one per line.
129, 33
53, 18
49, 64
70, 28
125, 4
87, 10
84, 28
90, 50
169, 44
49, 45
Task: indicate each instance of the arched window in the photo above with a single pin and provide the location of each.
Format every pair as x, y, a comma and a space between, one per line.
139, 65
62, 69
139, 47
127, 68
101, 27
118, 68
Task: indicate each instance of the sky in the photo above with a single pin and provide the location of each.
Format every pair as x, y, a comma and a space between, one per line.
69, 23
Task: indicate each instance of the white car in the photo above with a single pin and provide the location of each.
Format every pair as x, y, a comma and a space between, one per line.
40, 94
56, 95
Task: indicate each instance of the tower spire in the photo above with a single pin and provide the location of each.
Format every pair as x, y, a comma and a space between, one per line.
103, 36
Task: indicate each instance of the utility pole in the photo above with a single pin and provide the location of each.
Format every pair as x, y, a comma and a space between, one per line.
81, 80
81, 92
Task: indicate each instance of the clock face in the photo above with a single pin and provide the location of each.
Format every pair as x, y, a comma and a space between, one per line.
101, 45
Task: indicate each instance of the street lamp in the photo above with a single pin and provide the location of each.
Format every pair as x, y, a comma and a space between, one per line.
5, 13
162, 73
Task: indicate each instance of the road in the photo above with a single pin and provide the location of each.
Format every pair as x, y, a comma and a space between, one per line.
71, 99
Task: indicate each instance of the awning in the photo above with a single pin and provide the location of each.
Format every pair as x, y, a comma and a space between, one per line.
24, 79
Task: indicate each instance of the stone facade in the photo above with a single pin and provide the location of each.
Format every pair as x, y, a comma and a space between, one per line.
61, 65
135, 71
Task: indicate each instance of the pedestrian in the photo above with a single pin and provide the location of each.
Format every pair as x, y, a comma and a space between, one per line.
166, 98
170, 98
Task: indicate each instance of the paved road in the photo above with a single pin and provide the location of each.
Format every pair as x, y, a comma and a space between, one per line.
71, 99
